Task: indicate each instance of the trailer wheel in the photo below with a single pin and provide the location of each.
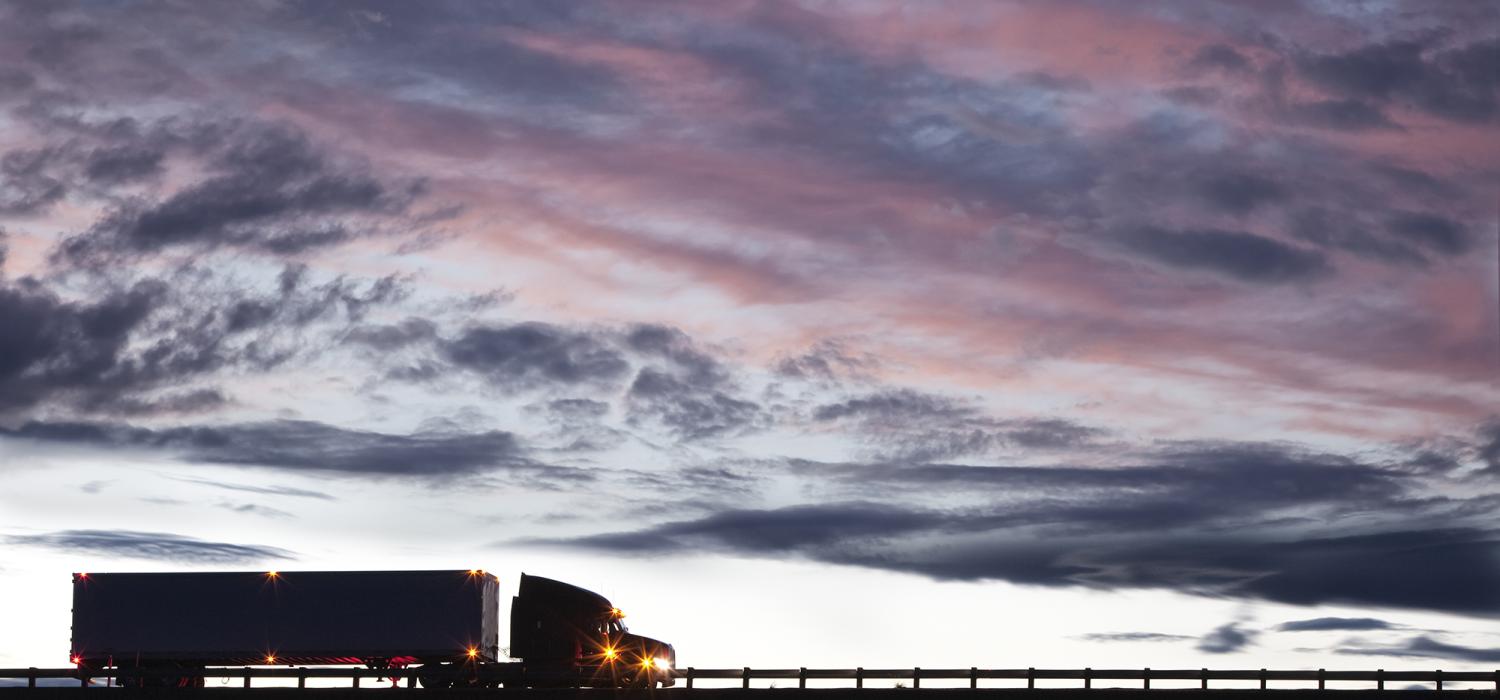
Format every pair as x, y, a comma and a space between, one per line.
434, 676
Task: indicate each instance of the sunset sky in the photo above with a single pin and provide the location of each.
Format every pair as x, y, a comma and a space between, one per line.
823, 334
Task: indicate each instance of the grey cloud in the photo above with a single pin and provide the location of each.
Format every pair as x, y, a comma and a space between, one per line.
269, 189
1457, 83
1425, 647
1236, 254
907, 425
1430, 231
28, 184
827, 361
526, 355
1223, 520
125, 163
1226, 638
1324, 624
314, 447
394, 336
267, 490
1220, 56
157, 546
1134, 637
1238, 192
691, 411
255, 509
1340, 114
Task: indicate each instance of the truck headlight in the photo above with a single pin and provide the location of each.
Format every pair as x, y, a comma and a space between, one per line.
661, 663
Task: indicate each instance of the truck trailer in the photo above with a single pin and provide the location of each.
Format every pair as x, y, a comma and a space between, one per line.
145, 627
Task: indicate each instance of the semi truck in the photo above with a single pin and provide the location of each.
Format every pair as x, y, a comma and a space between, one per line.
165, 628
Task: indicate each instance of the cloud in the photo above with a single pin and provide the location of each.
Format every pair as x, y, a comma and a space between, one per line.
1323, 624
1220, 56
1236, 254
309, 446
690, 411
156, 546
255, 509
1134, 637
1425, 647
912, 426
269, 189
1224, 520
1456, 83
267, 490
528, 355
1227, 638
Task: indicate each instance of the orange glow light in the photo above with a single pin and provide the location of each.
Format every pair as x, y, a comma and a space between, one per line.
272, 574
82, 575
473, 652
610, 653
270, 658
473, 572
78, 659
647, 662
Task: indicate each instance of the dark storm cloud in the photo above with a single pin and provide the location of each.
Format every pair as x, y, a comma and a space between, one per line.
314, 447
135, 350
526, 355
1458, 83
1325, 624
269, 189
1425, 647
1134, 637
1226, 638
158, 546
1223, 520
52, 345
1237, 254
393, 336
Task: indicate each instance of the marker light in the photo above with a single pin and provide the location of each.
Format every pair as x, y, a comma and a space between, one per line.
661, 663
272, 574
647, 662
82, 575
616, 612
610, 653
473, 653
78, 659
473, 572
270, 658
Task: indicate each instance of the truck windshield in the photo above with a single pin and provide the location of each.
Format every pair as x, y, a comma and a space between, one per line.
615, 626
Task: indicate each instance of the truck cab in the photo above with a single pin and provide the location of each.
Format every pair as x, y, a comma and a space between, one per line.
559, 626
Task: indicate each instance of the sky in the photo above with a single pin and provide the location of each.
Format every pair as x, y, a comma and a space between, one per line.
824, 334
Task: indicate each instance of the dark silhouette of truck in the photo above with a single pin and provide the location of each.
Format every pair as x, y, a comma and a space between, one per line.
161, 628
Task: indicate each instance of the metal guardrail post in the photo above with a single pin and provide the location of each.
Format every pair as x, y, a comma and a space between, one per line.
802, 677
31, 677
1380, 679
1320, 679
916, 677
1088, 678
1439, 679
1203, 683
1146, 678
1262, 679
745, 678
356, 680
973, 677
301, 677
859, 677
690, 678
247, 676
1030, 678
